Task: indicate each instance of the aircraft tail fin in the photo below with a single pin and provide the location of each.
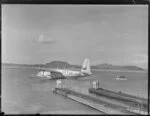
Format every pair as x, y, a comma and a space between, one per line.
86, 66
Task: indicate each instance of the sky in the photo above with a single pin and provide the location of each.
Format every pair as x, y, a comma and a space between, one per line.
37, 34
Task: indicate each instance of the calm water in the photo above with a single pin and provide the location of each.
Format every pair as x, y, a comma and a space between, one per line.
21, 94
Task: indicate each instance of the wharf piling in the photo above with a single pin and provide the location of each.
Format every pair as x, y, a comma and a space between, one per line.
135, 104
98, 104
101, 106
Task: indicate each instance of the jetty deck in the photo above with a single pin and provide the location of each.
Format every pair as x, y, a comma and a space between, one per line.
106, 102
122, 97
118, 95
100, 105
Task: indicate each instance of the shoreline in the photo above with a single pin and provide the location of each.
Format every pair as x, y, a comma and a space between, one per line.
109, 70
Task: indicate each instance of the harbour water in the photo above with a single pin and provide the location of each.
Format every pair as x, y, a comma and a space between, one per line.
24, 95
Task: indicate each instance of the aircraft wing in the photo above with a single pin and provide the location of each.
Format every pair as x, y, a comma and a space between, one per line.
56, 74
53, 72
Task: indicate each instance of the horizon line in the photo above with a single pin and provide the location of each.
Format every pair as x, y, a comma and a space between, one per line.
73, 64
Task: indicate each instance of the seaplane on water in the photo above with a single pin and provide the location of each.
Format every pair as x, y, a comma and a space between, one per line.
64, 73
121, 77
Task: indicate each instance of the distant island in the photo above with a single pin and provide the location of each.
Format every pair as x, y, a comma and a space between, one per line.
64, 65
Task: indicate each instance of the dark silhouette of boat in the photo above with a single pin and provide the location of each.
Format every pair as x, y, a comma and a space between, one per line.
121, 77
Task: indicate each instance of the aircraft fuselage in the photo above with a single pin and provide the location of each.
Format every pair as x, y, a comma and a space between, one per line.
64, 73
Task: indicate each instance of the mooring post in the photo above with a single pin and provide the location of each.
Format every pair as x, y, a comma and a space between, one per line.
97, 84
58, 83
139, 107
94, 84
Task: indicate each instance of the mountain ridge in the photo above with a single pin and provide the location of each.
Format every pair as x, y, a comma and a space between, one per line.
64, 64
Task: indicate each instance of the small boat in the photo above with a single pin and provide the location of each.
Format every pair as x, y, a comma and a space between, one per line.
121, 78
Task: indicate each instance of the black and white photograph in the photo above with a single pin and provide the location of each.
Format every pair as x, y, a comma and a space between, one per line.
74, 59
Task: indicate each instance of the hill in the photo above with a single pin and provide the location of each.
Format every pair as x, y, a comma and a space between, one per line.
57, 64
116, 67
22, 65
63, 64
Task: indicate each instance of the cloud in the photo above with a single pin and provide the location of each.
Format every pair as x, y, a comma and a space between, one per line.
45, 39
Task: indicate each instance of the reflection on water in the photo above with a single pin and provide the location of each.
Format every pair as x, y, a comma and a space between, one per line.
21, 94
